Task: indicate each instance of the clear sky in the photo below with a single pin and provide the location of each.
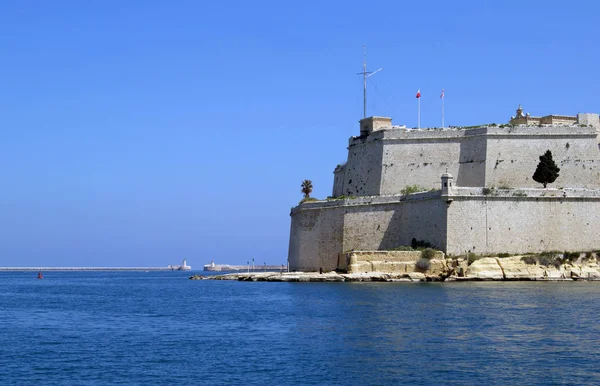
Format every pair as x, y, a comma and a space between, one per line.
142, 132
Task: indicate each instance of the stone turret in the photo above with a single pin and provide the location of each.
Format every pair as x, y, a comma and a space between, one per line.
370, 124
447, 184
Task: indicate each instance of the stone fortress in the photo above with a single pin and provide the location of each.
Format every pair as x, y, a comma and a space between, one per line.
478, 193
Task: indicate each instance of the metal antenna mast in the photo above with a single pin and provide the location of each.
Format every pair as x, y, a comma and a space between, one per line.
366, 74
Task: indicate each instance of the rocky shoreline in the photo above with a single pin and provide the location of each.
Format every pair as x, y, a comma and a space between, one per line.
515, 268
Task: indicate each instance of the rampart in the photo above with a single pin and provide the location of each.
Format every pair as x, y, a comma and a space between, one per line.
478, 220
386, 161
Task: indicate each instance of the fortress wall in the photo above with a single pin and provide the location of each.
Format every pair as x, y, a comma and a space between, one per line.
513, 157
418, 162
387, 161
422, 157
387, 226
316, 237
338, 181
322, 231
592, 120
487, 224
362, 175
471, 167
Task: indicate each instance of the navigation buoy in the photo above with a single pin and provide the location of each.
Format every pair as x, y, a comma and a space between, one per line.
40, 276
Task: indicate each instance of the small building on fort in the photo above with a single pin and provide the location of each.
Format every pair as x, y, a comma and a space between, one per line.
580, 119
476, 192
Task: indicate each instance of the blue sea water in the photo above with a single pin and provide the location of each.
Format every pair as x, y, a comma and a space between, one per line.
98, 328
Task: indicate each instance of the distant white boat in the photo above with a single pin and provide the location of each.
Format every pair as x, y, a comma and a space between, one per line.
182, 267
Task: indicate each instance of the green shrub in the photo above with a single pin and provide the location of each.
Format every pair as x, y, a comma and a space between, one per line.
503, 254
551, 260
471, 258
422, 264
308, 199
528, 259
571, 255
427, 253
419, 244
403, 248
410, 189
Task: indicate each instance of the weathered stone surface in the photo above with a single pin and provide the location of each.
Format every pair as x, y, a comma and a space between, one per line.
588, 270
486, 268
516, 269
416, 276
395, 262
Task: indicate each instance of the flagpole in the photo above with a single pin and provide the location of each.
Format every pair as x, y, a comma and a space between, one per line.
442, 109
419, 113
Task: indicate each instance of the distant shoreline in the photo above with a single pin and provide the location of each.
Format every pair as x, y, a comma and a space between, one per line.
10, 269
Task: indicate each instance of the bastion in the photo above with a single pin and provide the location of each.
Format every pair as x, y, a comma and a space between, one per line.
477, 192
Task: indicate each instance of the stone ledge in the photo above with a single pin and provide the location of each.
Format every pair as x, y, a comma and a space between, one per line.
484, 269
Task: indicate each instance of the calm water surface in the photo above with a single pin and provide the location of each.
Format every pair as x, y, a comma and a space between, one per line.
161, 328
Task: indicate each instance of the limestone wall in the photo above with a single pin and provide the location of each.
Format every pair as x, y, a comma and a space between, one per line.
316, 237
392, 262
322, 231
363, 169
478, 220
375, 225
513, 155
385, 162
338, 181
589, 119
506, 223
592, 120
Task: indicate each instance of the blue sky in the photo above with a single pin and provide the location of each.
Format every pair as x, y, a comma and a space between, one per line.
139, 133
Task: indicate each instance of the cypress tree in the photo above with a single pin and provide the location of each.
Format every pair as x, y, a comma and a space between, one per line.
547, 171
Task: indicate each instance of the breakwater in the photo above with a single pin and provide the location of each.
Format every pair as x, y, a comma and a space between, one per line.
243, 268
88, 269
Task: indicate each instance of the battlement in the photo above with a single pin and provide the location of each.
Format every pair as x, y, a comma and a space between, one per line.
395, 133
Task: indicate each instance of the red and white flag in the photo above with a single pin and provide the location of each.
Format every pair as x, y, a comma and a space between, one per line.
442, 96
418, 93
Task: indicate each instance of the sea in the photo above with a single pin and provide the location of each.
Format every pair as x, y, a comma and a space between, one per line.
160, 328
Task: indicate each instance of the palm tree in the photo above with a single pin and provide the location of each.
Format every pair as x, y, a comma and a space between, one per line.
306, 188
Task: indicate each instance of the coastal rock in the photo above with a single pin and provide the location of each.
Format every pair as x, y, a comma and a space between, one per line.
397, 264
486, 268
416, 276
515, 268
587, 270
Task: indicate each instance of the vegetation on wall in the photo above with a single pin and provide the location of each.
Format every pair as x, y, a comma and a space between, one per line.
428, 253
422, 264
546, 171
410, 189
419, 244
307, 188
